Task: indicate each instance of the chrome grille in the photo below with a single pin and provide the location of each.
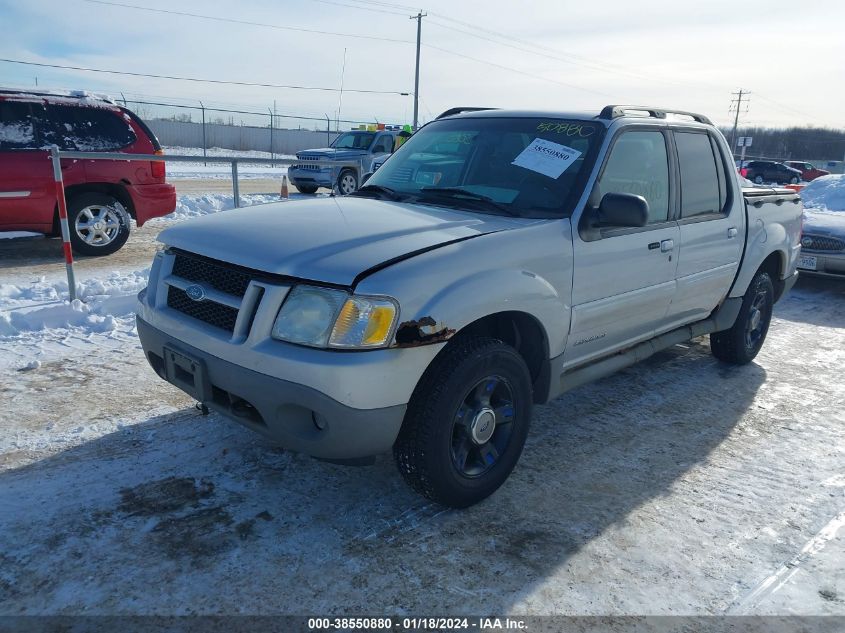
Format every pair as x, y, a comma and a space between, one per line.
306, 166
821, 243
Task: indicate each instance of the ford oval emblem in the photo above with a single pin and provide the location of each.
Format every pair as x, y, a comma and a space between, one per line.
195, 292
807, 242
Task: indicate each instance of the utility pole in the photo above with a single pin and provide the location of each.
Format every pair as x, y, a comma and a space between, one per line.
738, 101
418, 17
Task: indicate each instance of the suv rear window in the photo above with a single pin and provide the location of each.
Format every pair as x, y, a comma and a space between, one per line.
84, 129
16, 129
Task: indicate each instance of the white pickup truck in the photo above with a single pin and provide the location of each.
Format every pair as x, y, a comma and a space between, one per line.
496, 260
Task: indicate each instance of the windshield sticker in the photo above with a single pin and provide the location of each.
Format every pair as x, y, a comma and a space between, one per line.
547, 158
564, 127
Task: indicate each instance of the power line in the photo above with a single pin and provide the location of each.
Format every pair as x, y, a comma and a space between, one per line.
517, 70
195, 79
247, 22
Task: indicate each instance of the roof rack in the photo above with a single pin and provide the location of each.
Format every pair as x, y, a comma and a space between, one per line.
452, 111
615, 111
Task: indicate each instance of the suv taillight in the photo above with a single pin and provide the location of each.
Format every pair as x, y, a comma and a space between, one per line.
157, 167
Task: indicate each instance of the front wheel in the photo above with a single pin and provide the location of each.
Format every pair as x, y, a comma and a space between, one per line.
306, 189
99, 224
347, 182
740, 344
466, 423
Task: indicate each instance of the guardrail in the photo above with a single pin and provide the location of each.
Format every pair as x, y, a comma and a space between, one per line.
57, 155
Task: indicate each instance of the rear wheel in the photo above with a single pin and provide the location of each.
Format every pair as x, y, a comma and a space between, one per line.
758, 179
306, 189
740, 344
347, 182
466, 423
793, 180
99, 224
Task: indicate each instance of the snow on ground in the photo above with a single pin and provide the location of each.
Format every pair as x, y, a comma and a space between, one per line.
247, 171
825, 193
679, 486
37, 322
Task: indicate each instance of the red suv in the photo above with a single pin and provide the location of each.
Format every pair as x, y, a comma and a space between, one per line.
102, 195
808, 172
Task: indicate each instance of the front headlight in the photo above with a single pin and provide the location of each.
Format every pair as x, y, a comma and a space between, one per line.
322, 317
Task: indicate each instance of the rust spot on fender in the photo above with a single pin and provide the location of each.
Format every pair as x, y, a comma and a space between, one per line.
423, 331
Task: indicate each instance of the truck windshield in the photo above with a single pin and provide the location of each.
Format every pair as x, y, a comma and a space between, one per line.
532, 167
353, 140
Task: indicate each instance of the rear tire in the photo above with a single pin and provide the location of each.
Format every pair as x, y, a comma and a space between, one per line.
793, 180
466, 423
740, 344
758, 179
99, 224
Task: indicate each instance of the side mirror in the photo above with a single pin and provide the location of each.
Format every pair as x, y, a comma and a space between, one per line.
623, 209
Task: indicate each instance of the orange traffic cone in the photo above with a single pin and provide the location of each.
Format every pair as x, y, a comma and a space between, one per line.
284, 192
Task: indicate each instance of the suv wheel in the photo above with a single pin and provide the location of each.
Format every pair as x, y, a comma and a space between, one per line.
99, 224
466, 423
347, 182
758, 179
793, 180
740, 344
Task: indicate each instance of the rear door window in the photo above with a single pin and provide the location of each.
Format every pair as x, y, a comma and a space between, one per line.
700, 191
16, 128
84, 129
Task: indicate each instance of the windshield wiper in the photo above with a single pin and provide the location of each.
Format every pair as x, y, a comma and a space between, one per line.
458, 192
386, 192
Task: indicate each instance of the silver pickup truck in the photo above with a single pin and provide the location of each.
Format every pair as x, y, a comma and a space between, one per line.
497, 260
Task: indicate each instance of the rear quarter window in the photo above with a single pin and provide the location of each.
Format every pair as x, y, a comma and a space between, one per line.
84, 129
16, 128
700, 190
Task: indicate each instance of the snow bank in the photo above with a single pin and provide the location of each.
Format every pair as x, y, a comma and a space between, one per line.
40, 306
188, 206
825, 193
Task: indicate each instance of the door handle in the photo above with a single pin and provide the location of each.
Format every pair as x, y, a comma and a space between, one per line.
667, 245
732, 232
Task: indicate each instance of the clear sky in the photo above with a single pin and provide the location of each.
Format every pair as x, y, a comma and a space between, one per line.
557, 55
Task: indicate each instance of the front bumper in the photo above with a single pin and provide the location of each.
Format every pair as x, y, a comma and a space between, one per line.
152, 201
296, 416
828, 264
323, 177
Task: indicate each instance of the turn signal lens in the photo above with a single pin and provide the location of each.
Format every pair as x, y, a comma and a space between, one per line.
364, 322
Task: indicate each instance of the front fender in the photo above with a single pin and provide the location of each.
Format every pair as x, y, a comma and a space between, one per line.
440, 292
469, 299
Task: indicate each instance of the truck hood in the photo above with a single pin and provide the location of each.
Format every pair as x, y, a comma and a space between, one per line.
331, 240
331, 154
825, 223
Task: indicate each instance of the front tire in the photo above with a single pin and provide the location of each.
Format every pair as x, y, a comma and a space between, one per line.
347, 182
466, 423
306, 189
99, 224
740, 344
